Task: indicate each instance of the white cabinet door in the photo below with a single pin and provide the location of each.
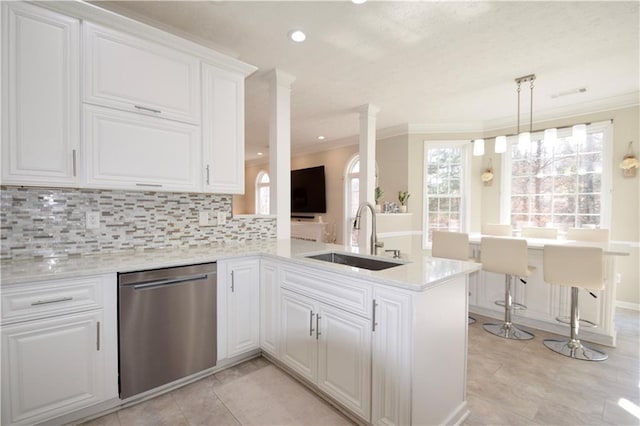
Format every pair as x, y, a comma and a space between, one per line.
243, 306
131, 151
126, 72
54, 366
298, 329
391, 359
223, 130
40, 96
269, 308
344, 358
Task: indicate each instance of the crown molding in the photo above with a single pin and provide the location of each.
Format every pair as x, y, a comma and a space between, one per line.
590, 107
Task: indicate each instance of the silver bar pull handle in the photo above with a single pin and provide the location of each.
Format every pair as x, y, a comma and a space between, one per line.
373, 320
74, 164
318, 326
233, 283
44, 302
208, 174
311, 330
162, 283
98, 336
152, 185
144, 108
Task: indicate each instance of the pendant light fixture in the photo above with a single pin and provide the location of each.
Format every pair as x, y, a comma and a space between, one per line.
501, 144
478, 147
524, 138
579, 133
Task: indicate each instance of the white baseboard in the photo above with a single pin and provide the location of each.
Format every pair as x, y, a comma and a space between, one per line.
628, 305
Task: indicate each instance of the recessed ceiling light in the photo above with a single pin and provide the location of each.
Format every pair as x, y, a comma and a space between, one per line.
297, 35
321, 138
259, 153
358, 1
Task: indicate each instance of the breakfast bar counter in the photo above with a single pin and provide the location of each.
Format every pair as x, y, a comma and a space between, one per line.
546, 302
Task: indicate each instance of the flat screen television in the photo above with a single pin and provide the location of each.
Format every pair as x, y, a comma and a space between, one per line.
308, 190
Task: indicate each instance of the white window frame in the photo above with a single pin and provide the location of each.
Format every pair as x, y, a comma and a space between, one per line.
346, 215
465, 185
606, 127
259, 184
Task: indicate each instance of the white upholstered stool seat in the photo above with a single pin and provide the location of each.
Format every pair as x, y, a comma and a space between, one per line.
451, 245
535, 232
596, 235
506, 256
497, 229
574, 267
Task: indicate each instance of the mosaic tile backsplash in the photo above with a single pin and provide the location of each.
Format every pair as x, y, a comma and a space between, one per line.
42, 222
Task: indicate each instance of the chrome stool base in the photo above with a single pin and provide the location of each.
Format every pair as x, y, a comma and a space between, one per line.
508, 331
471, 320
575, 349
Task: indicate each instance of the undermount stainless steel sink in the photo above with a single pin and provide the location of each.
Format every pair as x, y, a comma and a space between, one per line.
355, 261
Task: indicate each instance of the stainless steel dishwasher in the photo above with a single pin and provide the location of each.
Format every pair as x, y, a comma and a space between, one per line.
167, 325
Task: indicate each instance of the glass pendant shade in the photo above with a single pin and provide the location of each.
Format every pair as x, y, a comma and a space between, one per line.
551, 135
579, 133
524, 141
501, 144
478, 147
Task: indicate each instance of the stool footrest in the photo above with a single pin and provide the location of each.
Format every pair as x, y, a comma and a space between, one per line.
584, 322
514, 305
508, 331
575, 349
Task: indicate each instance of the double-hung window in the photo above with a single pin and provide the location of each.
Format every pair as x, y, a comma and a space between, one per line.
561, 183
446, 183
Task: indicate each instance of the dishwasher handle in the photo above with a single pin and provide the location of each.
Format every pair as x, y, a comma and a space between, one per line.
162, 283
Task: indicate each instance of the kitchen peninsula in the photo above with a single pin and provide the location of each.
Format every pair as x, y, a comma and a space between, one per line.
363, 339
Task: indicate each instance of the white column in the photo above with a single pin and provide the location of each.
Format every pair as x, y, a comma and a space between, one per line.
367, 155
280, 150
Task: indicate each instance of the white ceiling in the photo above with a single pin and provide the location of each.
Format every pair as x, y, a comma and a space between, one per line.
430, 65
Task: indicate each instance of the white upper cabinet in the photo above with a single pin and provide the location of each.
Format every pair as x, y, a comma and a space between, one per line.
40, 96
222, 130
130, 151
129, 73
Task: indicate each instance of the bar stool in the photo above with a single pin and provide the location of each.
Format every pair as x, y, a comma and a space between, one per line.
535, 232
451, 245
571, 267
596, 235
506, 256
497, 229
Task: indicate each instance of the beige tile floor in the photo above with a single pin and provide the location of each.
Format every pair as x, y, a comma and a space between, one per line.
509, 383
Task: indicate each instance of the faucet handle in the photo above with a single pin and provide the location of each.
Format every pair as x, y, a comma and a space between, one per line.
396, 253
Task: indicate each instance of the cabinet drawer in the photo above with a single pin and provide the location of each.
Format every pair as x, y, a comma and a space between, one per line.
337, 290
40, 300
126, 72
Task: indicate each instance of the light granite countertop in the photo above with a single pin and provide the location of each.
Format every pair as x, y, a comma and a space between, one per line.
418, 272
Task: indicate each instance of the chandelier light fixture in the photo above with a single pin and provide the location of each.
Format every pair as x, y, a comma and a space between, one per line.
524, 138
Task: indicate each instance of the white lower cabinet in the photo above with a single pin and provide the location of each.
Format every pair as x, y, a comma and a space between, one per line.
329, 347
61, 363
269, 308
238, 286
391, 357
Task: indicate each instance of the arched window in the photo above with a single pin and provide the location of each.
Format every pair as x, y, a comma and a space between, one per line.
262, 193
352, 199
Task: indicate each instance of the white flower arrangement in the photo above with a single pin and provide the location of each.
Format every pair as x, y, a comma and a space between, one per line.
487, 176
629, 162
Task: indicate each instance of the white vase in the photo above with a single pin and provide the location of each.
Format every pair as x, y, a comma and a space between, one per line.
403, 209
378, 208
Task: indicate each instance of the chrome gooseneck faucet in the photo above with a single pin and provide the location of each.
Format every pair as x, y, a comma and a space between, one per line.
356, 225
